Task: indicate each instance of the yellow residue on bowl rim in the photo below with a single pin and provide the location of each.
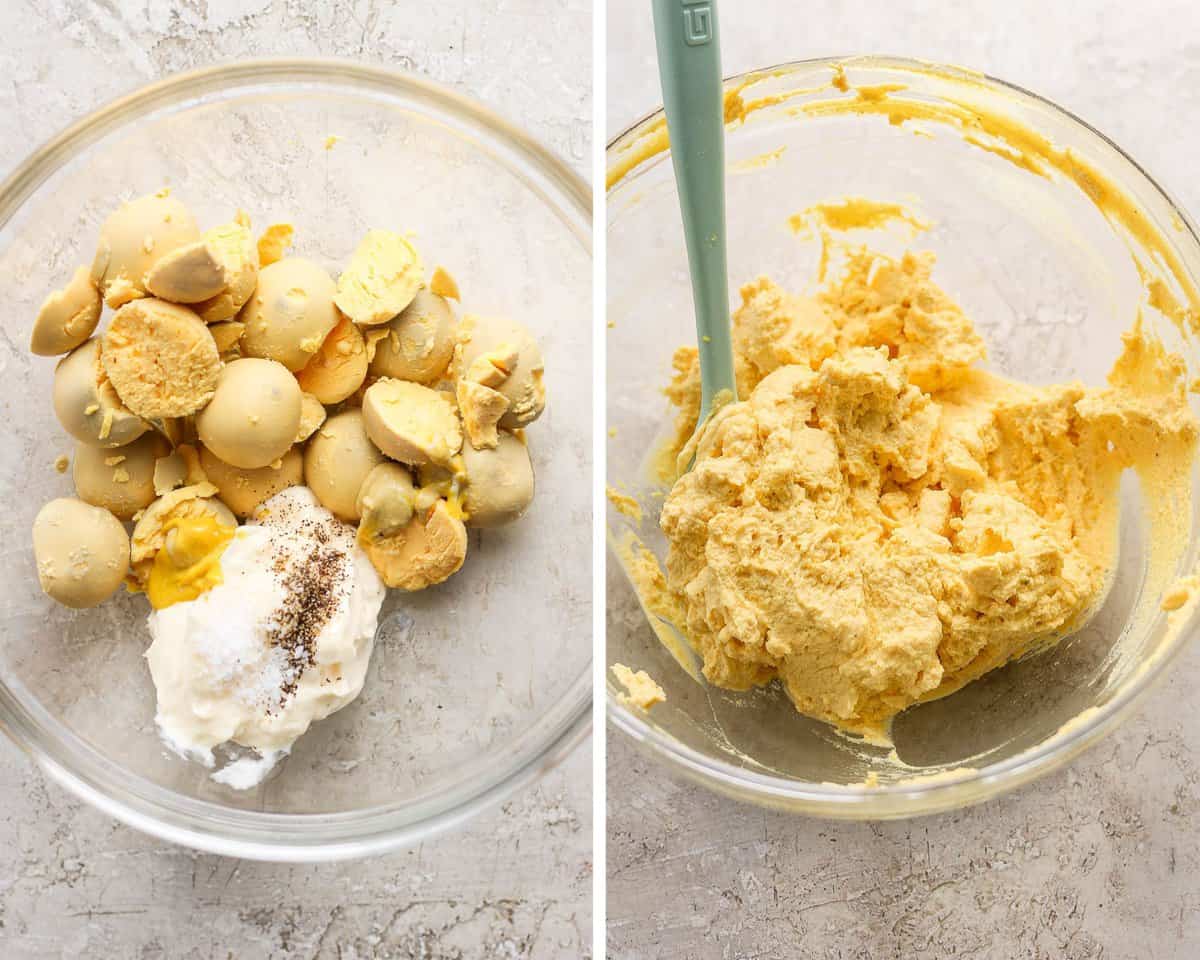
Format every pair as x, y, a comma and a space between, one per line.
977, 123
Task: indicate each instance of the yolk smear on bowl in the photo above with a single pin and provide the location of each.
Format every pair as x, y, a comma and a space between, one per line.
626, 505
972, 112
757, 162
879, 521
852, 213
855, 213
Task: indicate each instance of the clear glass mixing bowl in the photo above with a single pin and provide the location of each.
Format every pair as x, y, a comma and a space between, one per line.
491, 684
1051, 285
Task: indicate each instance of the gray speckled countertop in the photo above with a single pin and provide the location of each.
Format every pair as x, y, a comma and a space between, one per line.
1100, 860
515, 882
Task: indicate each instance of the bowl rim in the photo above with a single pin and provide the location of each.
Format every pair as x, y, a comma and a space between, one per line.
300, 837
900, 799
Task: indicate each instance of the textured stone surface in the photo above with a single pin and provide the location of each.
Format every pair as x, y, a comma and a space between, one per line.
1100, 860
514, 882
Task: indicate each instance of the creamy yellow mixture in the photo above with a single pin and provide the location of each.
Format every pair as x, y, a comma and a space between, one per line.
879, 521
641, 689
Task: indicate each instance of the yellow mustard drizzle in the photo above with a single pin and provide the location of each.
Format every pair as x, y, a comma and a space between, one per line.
455, 506
189, 562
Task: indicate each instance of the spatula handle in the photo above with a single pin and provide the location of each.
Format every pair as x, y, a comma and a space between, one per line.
689, 63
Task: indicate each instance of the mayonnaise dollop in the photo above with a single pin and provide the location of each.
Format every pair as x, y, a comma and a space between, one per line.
284, 640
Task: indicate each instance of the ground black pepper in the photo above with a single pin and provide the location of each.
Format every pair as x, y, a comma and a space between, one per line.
313, 588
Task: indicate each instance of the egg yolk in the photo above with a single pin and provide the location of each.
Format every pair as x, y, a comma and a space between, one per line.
189, 562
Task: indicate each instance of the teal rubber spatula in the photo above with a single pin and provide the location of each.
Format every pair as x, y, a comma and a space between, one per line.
689, 66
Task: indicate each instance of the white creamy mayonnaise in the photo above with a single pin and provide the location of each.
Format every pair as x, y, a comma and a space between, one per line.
284, 640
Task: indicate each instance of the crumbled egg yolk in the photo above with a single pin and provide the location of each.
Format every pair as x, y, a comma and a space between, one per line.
189, 562
274, 241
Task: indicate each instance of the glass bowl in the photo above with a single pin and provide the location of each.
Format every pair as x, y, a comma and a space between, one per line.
475, 686
1039, 256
